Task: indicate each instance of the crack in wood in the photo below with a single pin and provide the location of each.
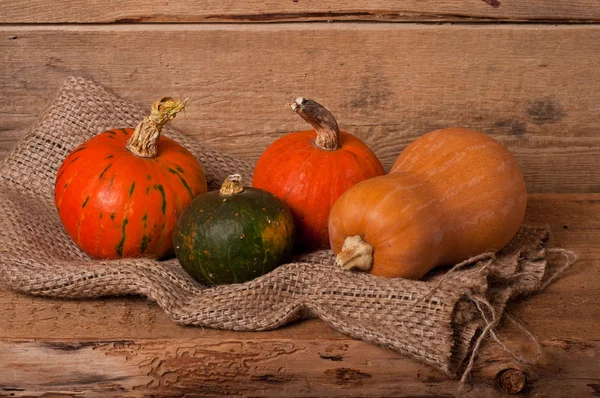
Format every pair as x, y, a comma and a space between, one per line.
8, 388
356, 16
493, 3
335, 358
348, 376
73, 346
89, 379
271, 378
362, 16
595, 388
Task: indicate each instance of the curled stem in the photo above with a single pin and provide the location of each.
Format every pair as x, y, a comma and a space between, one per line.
328, 132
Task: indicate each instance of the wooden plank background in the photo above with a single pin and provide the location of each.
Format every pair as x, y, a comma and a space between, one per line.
77, 11
536, 87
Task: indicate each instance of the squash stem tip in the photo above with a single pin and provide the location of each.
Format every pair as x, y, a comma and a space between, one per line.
144, 140
324, 123
356, 254
232, 185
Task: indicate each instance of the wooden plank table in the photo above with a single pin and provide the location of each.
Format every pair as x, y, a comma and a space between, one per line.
129, 347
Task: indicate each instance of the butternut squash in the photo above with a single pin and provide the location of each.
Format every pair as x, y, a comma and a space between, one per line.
451, 194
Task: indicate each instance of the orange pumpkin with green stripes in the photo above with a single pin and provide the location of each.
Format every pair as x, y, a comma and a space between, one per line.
119, 193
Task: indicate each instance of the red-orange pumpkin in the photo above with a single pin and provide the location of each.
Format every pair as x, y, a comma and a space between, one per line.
119, 193
452, 194
309, 170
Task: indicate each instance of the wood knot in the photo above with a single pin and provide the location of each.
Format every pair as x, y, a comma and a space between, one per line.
512, 381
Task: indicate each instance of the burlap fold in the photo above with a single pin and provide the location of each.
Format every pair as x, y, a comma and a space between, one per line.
435, 321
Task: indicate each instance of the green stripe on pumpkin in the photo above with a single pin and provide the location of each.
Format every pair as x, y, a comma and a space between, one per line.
146, 239
78, 150
121, 244
183, 181
73, 161
104, 171
160, 188
60, 175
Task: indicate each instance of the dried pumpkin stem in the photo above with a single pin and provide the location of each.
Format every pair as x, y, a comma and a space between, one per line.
232, 185
328, 132
356, 254
144, 140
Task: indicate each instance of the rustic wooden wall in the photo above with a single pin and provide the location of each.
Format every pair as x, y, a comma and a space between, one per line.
37, 11
527, 73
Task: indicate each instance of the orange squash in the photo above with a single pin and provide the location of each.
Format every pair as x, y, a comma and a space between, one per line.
451, 194
119, 193
309, 170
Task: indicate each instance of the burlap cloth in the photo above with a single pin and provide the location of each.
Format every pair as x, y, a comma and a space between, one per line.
435, 321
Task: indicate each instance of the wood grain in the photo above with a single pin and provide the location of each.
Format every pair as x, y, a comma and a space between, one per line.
270, 368
136, 11
128, 347
534, 88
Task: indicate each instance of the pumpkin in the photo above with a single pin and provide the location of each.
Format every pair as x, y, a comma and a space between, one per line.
233, 235
451, 194
309, 170
119, 193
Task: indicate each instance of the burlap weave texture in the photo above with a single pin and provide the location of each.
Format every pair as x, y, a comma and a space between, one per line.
434, 323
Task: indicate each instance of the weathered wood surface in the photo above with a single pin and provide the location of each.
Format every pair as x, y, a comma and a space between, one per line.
36, 11
128, 347
535, 88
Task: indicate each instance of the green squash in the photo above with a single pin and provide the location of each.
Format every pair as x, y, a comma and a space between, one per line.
233, 235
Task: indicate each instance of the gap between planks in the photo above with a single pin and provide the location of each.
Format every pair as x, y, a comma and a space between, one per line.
287, 26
